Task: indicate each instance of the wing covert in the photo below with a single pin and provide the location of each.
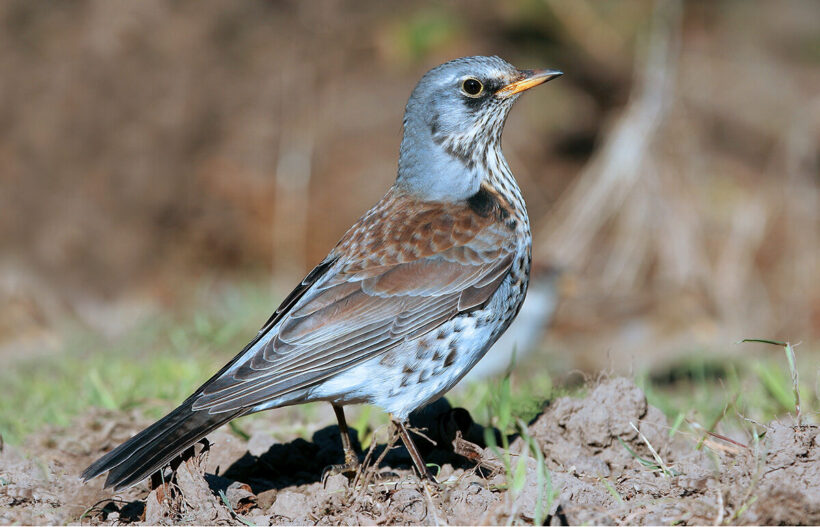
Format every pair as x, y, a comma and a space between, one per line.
367, 303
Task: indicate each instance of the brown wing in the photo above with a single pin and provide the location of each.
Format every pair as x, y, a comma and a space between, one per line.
399, 273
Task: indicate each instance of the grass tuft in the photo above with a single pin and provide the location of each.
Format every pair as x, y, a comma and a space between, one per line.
790, 358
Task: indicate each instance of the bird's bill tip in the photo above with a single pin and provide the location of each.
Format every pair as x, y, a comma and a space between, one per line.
529, 79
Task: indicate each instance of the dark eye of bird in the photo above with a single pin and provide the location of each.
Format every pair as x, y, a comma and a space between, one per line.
472, 87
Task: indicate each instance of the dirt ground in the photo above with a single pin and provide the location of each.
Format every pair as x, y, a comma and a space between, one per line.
600, 471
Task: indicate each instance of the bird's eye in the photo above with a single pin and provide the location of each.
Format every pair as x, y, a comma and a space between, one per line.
472, 87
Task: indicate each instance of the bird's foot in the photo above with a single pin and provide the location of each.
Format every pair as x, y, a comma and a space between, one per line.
349, 467
430, 481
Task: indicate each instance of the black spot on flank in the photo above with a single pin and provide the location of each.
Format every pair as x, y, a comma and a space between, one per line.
482, 202
451, 357
512, 224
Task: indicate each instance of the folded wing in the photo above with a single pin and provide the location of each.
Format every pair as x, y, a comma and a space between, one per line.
392, 285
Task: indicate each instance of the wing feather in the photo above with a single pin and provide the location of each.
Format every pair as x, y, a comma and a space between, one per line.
370, 300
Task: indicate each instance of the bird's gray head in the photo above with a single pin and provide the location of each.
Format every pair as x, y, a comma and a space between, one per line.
453, 123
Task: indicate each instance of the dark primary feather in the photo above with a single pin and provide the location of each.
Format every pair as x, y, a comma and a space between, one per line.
154, 447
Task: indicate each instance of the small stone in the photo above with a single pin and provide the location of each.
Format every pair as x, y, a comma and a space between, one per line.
337, 483
266, 498
261, 520
446, 472
589, 466
291, 505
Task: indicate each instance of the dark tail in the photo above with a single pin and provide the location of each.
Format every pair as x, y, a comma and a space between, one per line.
151, 449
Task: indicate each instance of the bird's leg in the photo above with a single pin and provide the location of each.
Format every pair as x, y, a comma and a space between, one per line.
351, 463
418, 461
351, 459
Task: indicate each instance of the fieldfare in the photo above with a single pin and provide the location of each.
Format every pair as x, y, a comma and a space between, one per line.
412, 296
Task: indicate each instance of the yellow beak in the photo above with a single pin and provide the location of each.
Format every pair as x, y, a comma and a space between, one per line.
529, 79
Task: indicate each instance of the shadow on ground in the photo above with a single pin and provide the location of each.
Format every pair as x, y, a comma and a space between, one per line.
302, 462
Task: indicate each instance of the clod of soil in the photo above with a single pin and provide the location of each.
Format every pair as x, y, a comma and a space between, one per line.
590, 448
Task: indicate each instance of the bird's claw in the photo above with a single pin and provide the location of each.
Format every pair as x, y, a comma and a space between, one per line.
350, 466
429, 480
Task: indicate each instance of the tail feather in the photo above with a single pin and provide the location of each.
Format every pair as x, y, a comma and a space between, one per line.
151, 449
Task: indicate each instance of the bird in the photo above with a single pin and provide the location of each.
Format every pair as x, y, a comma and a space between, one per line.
408, 301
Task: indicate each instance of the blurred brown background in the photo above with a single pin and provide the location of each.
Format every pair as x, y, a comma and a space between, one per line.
673, 173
